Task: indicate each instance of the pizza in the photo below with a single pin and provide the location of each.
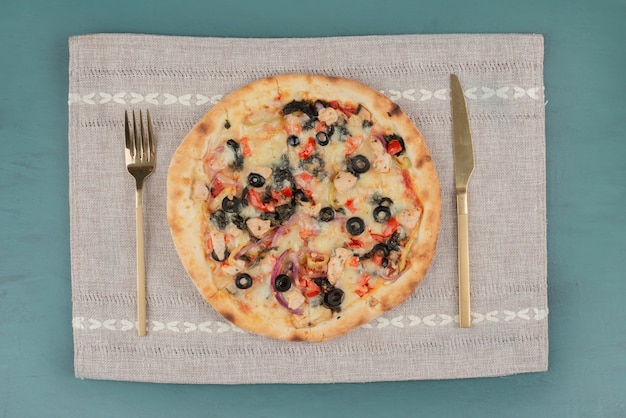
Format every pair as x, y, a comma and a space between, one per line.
303, 206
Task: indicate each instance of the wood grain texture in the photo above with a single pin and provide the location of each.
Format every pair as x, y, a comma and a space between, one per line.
586, 170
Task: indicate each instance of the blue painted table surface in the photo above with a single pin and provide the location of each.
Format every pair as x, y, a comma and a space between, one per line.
585, 66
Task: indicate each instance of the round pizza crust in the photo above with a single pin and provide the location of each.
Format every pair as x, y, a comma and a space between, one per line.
185, 215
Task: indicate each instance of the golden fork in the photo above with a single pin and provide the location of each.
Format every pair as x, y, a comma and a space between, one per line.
140, 161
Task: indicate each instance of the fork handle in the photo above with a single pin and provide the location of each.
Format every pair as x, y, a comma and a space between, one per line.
141, 266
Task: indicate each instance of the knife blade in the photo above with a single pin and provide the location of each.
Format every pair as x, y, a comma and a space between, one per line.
463, 168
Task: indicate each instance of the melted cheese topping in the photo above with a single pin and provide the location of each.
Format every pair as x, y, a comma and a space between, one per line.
305, 153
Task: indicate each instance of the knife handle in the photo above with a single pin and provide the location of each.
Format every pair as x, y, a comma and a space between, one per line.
465, 317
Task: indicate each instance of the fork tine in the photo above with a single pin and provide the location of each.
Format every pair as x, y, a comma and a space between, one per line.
137, 144
151, 148
142, 139
129, 144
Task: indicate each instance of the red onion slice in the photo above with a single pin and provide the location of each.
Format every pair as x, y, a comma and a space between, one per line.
295, 266
390, 278
211, 172
283, 229
380, 138
266, 239
277, 267
278, 295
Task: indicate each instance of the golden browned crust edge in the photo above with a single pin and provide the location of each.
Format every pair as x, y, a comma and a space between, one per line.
187, 162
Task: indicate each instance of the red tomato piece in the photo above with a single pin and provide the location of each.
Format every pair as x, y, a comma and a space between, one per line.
312, 289
308, 149
257, 203
390, 227
309, 288
216, 188
347, 109
304, 178
334, 104
354, 243
350, 205
378, 238
352, 144
363, 285
394, 147
245, 147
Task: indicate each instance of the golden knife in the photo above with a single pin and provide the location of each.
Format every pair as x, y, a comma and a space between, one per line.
463, 168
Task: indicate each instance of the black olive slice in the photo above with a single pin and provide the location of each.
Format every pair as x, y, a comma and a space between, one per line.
324, 284
256, 180
380, 249
344, 133
322, 138
382, 214
301, 196
310, 123
217, 257
293, 141
238, 221
243, 281
244, 196
355, 226
327, 214
303, 106
220, 219
385, 201
282, 174
314, 164
334, 298
393, 243
231, 205
233, 145
272, 217
359, 164
282, 283
285, 212
238, 163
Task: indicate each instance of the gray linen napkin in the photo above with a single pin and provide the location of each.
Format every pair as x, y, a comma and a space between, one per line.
179, 79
